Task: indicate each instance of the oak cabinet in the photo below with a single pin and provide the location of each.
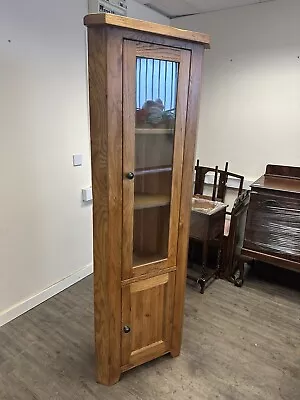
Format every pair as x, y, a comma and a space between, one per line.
144, 83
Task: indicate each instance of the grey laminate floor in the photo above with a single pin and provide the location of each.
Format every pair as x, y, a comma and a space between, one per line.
238, 344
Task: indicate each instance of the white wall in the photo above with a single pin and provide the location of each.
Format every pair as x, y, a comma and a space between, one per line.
250, 108
45, 230
136, 10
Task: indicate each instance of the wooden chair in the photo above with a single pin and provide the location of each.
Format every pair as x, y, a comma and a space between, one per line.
201, 173
220, 181
218, 194
207, 226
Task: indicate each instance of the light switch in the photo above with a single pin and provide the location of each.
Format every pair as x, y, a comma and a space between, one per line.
77, 160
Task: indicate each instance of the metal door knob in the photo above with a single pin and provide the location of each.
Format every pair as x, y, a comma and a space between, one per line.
126, 329
130, 175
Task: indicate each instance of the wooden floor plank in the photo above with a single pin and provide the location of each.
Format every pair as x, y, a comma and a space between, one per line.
238, 344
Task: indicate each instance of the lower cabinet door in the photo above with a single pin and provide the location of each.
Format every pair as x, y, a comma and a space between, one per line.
147, 313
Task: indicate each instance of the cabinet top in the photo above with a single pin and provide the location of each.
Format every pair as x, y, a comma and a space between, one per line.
145, 26
277, 183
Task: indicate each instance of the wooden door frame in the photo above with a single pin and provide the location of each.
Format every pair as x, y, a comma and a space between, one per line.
105, 77
131, 50
186, 195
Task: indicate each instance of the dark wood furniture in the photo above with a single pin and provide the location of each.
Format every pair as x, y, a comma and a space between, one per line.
220, 181
144, 84
207, 225
200, 175
235, 239
273, 222
231, 226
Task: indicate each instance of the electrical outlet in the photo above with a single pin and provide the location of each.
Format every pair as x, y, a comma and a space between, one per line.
77, 160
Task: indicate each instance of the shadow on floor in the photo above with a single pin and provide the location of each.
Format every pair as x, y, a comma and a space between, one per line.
272, 279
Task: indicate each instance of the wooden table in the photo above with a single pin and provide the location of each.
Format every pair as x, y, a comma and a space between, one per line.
207, 224
273, 223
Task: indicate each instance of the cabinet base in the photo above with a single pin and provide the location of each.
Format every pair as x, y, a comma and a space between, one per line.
108, 381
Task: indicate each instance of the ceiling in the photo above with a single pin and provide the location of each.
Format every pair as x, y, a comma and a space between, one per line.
178, 8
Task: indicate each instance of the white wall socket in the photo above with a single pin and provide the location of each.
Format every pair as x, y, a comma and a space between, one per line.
87, 194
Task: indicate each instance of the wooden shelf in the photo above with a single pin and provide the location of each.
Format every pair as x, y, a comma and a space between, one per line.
153, 170
154, 131
147, 259
142, 201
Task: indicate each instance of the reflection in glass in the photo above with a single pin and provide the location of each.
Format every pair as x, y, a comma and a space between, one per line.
156, 97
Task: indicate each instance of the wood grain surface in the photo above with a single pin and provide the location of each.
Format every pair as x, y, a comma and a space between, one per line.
179, 172
186, 198
128, 115
278, 183
145, 26
150, 274
105, 76
148, 311
157, 52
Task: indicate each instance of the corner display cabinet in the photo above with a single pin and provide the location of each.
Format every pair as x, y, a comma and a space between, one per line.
144, 88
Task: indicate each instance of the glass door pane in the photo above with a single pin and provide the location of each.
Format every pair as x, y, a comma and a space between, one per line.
156, 99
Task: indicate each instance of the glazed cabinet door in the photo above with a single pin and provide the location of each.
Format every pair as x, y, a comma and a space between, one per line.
147, 319
155, 93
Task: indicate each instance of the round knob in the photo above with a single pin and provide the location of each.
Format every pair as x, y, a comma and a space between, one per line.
130, 175
126, 329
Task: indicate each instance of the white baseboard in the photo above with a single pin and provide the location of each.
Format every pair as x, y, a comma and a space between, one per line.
26, 305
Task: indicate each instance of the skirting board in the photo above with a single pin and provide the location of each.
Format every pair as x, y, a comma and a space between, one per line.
26, 305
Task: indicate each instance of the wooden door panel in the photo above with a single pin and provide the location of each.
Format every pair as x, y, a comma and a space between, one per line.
147, 307
151, 201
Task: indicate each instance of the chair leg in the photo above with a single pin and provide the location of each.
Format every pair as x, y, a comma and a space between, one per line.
202, 280
220, 268
202, 283
241, 268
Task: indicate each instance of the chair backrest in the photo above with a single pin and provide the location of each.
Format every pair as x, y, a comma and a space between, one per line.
220, 181
201, 172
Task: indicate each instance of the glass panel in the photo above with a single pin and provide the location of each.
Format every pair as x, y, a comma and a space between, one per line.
156, 95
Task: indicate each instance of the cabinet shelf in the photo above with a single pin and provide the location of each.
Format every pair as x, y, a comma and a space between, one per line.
142, 200
146, 259
153, 170
154, 131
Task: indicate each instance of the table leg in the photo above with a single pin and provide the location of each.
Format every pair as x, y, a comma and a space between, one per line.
202, 280
218, 270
